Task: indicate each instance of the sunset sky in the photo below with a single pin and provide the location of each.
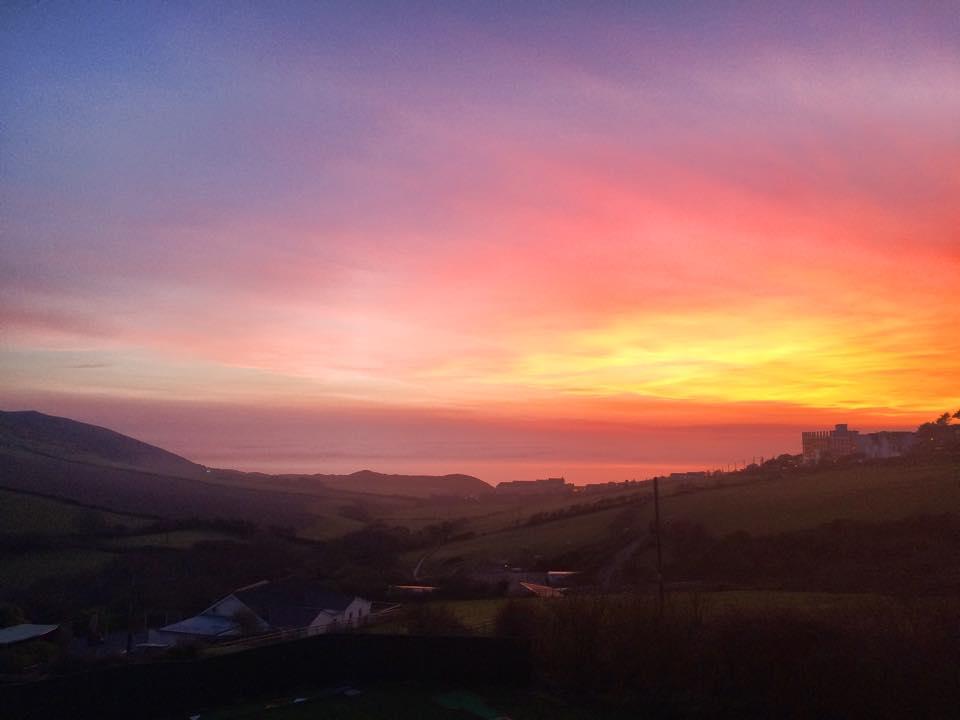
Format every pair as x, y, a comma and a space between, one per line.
509, 239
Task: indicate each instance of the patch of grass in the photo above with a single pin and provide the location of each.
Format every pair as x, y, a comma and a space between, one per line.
869, 493
21, 570
179, 539
550, 538
21, 513
496, 513
473, 613
329, 526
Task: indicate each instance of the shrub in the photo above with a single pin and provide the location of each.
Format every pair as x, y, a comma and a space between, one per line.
879, 660
521, 619
432, 619
10, 614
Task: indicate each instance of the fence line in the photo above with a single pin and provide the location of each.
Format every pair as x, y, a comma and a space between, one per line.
279, 636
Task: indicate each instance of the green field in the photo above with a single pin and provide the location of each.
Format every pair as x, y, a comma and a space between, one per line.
492, 513
329, 526
179, 539
475, 615
480, 615
472, 514
20, 571
21, 513
877, 493
550, 538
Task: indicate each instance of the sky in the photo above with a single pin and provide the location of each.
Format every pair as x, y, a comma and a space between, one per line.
521, 239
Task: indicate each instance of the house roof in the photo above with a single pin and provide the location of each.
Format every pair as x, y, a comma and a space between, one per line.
24, 632
205, 626
292, 602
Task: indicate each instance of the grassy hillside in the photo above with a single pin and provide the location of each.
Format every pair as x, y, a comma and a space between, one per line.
492, 513
19, 571
177, 539
318, 514
869, 493
480, 615
98, 467
71, 440
521, 544
326, 526
25, 514
137, 491
46, 538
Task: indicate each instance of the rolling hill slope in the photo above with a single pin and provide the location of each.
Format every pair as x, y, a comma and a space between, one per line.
97, 466
136, 491
879, 492
367, 481
76, 441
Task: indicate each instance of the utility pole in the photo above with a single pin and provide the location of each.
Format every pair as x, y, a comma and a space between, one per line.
656, 524
130, 618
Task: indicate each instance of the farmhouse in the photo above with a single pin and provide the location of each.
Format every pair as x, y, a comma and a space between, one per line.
289, 604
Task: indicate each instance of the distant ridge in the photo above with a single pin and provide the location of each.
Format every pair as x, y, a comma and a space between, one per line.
91, 464
416, 485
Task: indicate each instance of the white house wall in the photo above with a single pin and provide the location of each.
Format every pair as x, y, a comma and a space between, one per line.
356, 613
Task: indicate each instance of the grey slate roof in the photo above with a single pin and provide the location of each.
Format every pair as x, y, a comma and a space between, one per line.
24, 632
292, 602
205, 626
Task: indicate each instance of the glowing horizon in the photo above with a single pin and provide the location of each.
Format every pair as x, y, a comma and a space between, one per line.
533, 220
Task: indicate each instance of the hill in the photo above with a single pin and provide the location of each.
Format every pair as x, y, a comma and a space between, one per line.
81, 442
26, 514
100, 467
137, 491
367, 481
879, 492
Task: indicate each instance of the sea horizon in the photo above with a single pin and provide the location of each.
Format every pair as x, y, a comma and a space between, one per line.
490, 471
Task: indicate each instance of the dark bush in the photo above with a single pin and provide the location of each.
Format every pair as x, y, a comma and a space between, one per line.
521, 619
884, 659
431, 619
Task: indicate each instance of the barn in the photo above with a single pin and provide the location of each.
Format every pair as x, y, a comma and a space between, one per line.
289, 604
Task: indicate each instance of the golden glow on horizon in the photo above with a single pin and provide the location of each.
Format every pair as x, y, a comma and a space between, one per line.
774, 234
723, 357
